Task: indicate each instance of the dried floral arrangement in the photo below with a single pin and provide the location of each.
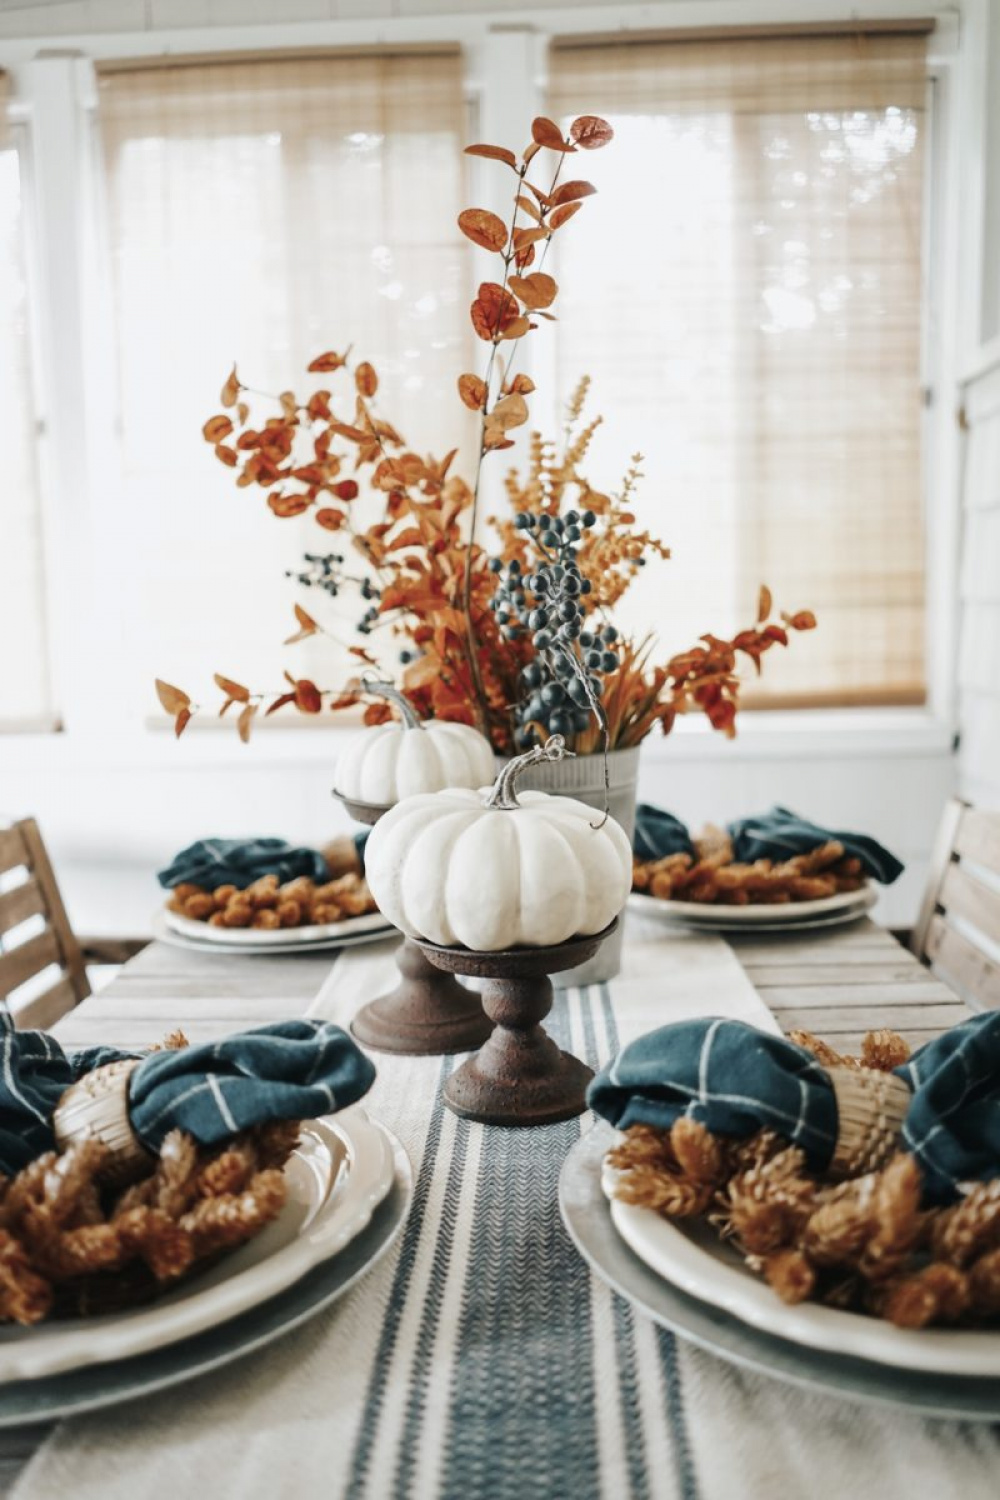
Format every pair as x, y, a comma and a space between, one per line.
864, 1245
519, 643
73, 1246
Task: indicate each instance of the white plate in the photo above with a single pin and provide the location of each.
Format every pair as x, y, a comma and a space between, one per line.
693, 1259
165, 934
336, 1179
267, 937
845, 905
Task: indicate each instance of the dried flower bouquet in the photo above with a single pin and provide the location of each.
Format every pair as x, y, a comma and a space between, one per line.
519, 643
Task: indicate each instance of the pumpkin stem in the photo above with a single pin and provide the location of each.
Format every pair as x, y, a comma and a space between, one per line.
504, 795
376, 689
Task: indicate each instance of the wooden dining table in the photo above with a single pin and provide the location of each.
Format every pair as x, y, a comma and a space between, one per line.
837, 983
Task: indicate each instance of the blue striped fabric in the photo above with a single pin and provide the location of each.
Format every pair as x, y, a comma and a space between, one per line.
291, 1070
953, 1124
239, 862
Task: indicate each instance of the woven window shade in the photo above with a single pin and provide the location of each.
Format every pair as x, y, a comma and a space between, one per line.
25, 687
267, 211
747, 297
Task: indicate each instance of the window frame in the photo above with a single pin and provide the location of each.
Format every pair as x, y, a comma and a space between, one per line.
505, 76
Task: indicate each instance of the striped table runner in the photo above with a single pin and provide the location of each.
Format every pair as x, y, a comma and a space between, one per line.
482, 1361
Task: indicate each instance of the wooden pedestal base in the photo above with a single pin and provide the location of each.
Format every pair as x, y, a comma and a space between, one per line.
519, 1076
427, 1012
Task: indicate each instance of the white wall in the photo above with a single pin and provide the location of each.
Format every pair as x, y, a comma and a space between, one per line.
979, 666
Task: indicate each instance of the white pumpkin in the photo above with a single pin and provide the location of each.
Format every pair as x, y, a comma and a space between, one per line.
401, 759
488, 871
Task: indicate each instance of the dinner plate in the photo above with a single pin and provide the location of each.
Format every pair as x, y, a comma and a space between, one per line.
247, 949
586, 1214
83, 1390
845, 906
336, 1178
276, 937
691, 1257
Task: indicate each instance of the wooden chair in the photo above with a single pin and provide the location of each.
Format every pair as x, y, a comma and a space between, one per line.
958, 929
35, 898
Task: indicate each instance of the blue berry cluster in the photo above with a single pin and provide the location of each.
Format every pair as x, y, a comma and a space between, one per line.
326, 571
548, 604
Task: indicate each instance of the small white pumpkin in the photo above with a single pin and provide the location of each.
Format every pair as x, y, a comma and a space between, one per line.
486, 871
401, 759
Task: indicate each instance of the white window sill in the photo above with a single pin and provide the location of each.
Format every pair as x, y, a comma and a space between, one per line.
819, 734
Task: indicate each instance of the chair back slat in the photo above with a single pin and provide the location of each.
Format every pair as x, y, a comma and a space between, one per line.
954, 956
12, 850
18, 905
46, 1009
26, 906
958, 931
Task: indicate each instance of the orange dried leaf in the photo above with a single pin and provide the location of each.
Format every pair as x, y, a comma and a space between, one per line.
279, 702
347, 489
356, 434
493, 153
512, 411
520, 385
531, 209
330, 518
231, 389
763, 604
289, 405
493, 310
324, 362
567, 192
523, 237
517, 328
287, 506
318, 407
244, 722
232, 689
173, 699
242, 411
483, 228
536, 290
803, 620
181, 722
216, 428
560, 215
545, 132
365, 379
308, 626
308, 698
472, 390
226, 455
591, 132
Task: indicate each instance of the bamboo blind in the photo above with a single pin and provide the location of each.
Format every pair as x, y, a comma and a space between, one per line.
747, 297
267, 210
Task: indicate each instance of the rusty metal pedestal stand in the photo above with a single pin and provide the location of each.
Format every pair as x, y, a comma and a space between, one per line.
519, 1076
428, 1012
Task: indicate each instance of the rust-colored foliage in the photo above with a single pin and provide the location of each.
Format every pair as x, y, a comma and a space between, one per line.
431, 587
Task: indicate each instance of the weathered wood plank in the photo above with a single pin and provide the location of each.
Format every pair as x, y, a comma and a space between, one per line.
832, 1022
18, 905
75, 1030
12, 850
190, 992
856, 997
42, 1013
978, 838
906, 972
28, 959
962, 965
964, 896
234, 1010
38, 859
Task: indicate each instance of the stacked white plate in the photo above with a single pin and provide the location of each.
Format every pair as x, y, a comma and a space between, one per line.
684, 1277
183, 932
795, 916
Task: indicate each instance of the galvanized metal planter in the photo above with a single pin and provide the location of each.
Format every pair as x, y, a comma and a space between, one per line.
583, 778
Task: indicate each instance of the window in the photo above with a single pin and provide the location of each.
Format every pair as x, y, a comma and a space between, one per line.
25, 684
266, 211
747, 298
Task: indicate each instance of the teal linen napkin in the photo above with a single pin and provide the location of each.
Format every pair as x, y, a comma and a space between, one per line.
289, 1070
